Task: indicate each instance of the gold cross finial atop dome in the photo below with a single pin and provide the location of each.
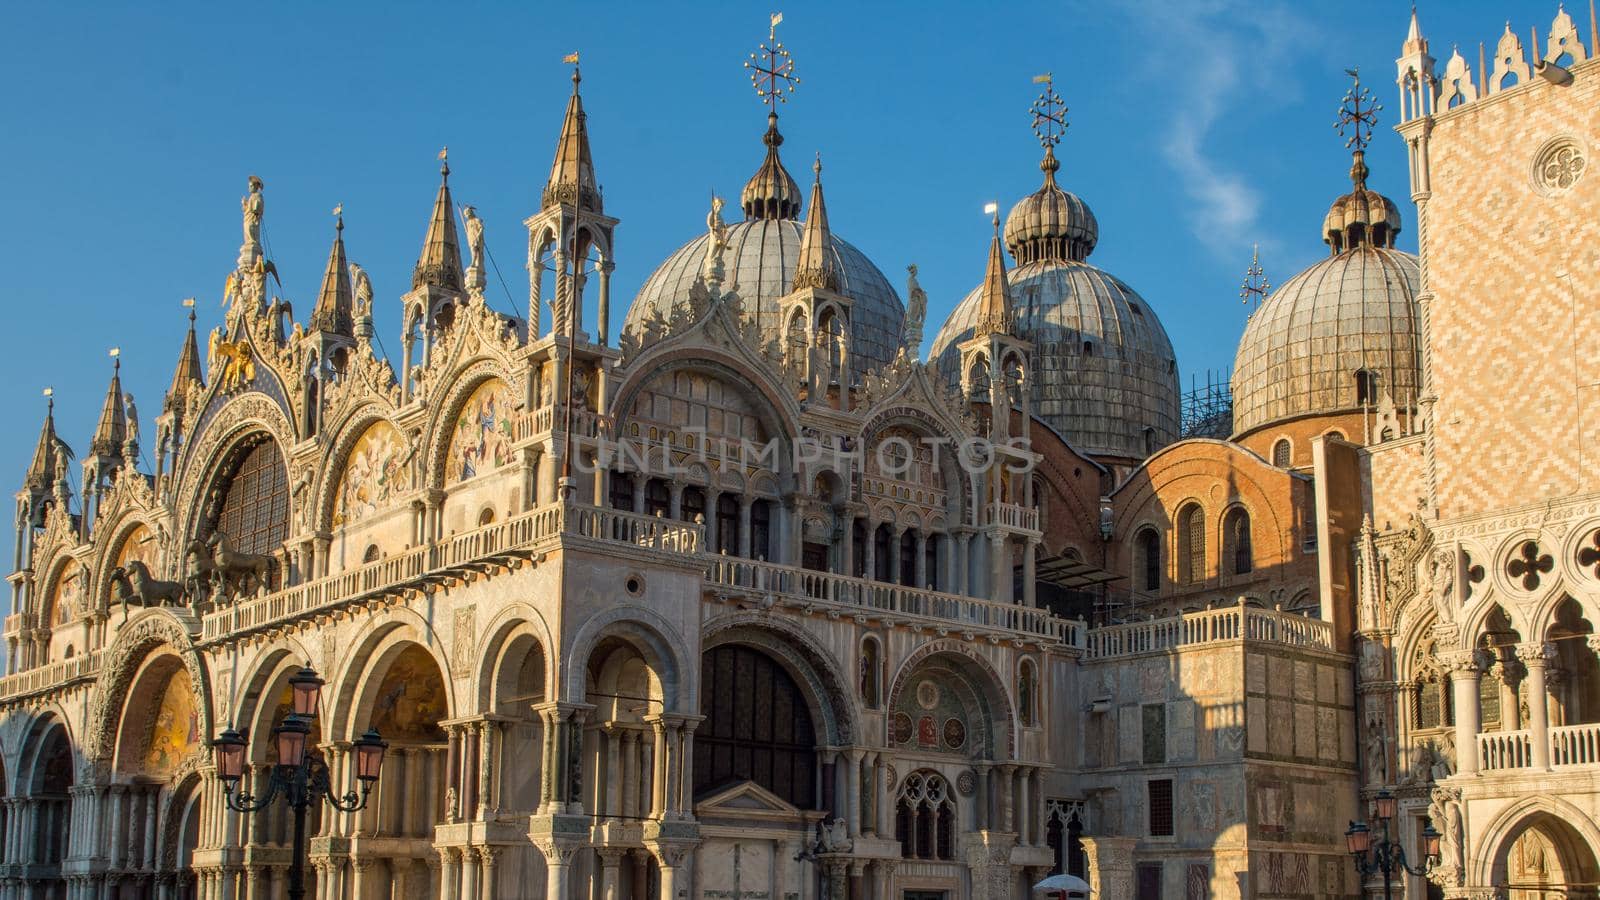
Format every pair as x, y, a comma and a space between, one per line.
1049, 123
772, 69
1255, 287
1358, 113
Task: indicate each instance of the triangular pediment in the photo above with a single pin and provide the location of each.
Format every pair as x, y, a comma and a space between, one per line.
745, 798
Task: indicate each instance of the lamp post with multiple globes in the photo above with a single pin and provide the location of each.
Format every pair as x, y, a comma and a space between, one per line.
1387, 856
301, 778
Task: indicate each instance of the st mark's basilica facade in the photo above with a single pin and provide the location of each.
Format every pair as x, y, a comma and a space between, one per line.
755, 599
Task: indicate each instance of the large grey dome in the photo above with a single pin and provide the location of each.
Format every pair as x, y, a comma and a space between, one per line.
1350, 312
759, 263
1104, 375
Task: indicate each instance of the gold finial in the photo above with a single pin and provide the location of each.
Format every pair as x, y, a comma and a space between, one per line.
116, 358
338, 214
1256, 286
772, 69
188, 303
1358, 113
1049, 113
992, 209
444, 160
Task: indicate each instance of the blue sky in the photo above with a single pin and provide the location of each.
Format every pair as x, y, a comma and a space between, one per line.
1198, 129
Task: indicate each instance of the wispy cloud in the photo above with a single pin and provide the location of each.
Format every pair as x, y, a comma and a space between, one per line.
1207, 50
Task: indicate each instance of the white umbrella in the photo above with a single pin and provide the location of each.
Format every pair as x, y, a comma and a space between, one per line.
1063, 883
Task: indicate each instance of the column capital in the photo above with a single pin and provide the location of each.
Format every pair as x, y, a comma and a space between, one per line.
1462, 664
1537, 653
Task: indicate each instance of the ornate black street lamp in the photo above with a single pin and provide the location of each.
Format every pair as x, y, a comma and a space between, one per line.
1388, 856
300, 777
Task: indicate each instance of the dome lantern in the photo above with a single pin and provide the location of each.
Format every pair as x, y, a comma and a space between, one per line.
1050, 223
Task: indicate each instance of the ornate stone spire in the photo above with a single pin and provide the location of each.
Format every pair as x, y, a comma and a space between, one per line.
113, 427
334, 312
188, 371
42, 470
572, 174
440, 262
815, 267
994, 303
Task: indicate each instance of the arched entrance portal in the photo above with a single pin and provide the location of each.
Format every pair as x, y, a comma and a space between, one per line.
1544, 856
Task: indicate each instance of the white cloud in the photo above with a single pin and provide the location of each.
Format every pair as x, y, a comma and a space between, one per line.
1207, 51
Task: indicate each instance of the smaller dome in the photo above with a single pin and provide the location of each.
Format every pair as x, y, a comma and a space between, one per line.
1362, 217
771, 193
1051, 223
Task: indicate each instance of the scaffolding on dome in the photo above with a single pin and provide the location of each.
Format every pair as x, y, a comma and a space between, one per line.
1206, 410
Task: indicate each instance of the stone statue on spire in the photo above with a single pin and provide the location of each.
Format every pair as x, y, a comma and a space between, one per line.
916, 311
132, 415
474, 228
361, 288
254, 208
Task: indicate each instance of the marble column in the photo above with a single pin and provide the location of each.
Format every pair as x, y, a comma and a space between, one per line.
1537, 657
1464, 674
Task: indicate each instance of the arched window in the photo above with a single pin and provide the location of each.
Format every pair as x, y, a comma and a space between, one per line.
371, 554
486, 516
1336, 435
1148, 565
871, 672
1236, 532
254, 513
880, 553
1281, 453
1366, 387
757, 727
1192, 544
925, 817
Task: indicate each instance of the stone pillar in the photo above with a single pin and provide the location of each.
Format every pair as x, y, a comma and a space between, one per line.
1110, 866
610, 871
1024, 804
469, 875
360, 881
894, 555
1030, 585
450, 874
557, 858
486, 742
1007, 809
981, 808
1464, 674
921, 562
744, 528
999, 568
963, 580
1536, 657
488, 864
869, 550
658, 783
852, 791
